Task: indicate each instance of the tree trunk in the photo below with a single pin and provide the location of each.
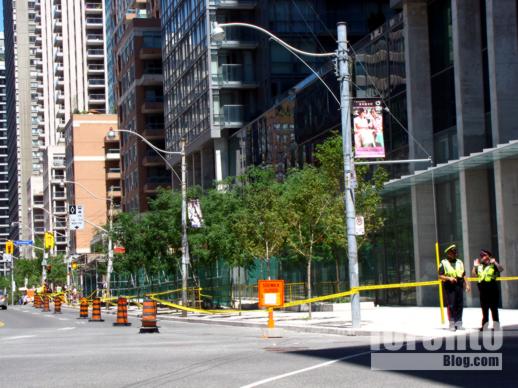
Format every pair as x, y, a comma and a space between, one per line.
268, 261
337, 264
309, 284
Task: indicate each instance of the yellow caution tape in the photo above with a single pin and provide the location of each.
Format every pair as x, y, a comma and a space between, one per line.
320, 298
191, 309
399, 285
505, 278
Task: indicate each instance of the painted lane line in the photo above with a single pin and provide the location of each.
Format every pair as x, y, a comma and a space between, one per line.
18, 337
67, 328
64, 319
296, 372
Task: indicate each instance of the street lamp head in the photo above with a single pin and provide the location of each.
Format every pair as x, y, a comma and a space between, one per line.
62, 183
111, 134
218, 33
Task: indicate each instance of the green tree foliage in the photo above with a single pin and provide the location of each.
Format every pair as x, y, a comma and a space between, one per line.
312, 212
261, 219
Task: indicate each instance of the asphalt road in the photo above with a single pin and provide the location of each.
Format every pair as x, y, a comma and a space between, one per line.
45, 350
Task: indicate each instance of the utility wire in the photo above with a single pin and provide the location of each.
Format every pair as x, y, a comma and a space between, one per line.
308, 26
320, 20
369, 79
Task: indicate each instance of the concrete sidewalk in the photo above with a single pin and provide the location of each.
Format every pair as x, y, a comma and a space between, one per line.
414, 321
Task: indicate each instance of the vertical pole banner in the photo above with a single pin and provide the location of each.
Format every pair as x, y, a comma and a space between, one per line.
368, 128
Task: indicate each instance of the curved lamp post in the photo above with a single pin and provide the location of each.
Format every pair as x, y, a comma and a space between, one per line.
109, 270
341, 57
185, 242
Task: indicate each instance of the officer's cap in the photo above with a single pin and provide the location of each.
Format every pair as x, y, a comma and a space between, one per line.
451, 247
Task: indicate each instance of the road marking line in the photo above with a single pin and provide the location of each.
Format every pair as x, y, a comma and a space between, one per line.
64, 319
296, 372
18, 337
67, 328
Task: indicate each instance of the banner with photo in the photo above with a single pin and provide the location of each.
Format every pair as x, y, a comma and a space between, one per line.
368, 128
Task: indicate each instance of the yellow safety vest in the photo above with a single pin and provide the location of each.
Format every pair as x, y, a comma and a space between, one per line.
455, 272
486, 273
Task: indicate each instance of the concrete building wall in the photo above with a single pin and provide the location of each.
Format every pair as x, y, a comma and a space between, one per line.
92, 172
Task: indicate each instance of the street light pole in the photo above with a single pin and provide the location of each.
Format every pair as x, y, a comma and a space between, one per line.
110, 253
349, 173
185, 242
218, 34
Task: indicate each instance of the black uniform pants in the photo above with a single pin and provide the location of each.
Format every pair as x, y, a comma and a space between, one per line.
489, 300
454, 295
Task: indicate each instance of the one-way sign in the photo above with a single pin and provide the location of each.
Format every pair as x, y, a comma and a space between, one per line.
75, 217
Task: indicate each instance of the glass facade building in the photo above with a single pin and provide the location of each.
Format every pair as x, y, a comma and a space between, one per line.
445, 101
211, 89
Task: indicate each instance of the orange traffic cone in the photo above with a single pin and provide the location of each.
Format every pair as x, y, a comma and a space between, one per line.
96, 311
57, 305
83, 309
46, 307
122, 312
37, 301
149, 317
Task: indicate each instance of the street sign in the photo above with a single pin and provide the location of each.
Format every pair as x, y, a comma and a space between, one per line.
76, 217
7, 257
23, 242
360, 225
271, 293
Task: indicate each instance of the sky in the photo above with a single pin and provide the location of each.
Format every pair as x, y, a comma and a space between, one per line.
1, 16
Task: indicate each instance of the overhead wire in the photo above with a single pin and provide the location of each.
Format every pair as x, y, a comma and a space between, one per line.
369, 79
378, 92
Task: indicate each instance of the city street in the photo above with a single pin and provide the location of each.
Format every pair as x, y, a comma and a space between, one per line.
43, 349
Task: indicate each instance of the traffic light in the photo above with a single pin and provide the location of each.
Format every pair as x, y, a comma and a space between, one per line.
9, 247
74, 265
49, 240
49, 268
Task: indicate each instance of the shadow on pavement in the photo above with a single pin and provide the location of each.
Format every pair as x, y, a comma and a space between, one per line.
507, 377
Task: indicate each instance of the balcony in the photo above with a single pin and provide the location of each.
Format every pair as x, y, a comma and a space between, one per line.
57, 11
154, 131
94, 39
150, 53
92, 22
95, 53
152, 159
151, 80
94, 83
153, 104
237, 38
113, 173
153, 183
57, 25
93, 8
233, 4
234, 76
58, 55
60, 210
96, 99
113, 191
59, 195
59, 68
95, 69
57, 178
231, 116
113, 154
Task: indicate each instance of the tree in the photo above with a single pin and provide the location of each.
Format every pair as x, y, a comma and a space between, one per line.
262, 217
312, 212
367, 198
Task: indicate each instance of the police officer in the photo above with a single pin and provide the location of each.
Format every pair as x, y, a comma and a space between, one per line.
451, 272
487, 269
